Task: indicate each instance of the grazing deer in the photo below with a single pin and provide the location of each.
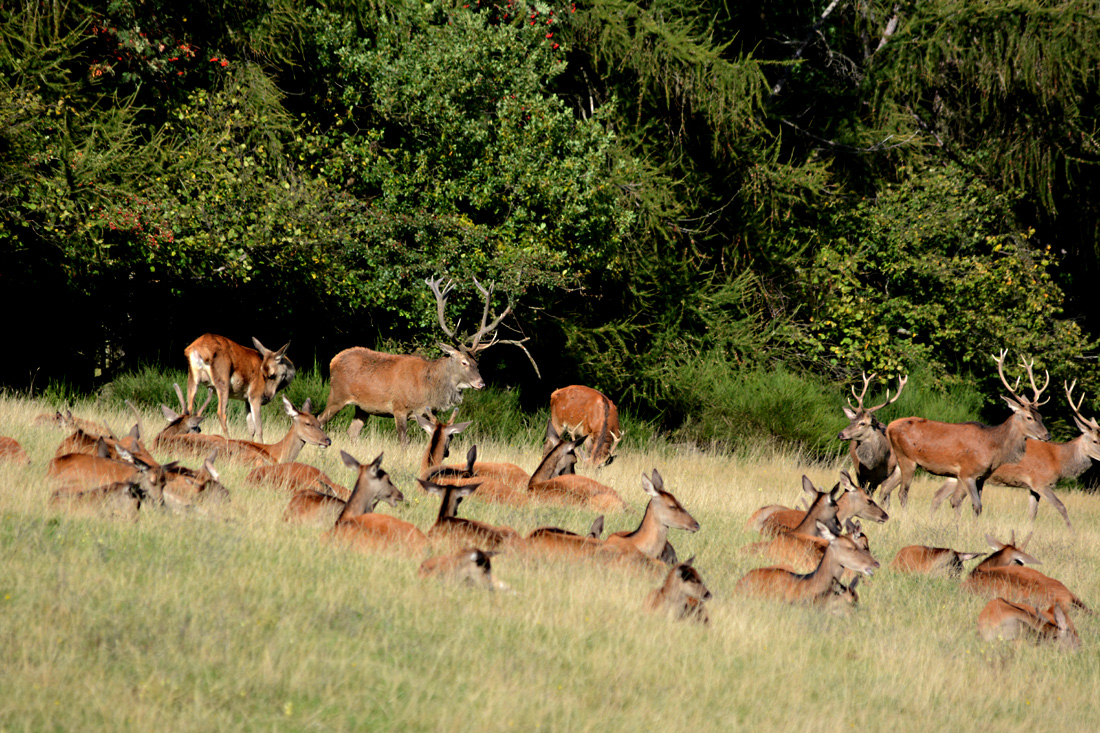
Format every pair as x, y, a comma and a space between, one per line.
359, 526
968, 452
779, 583
682, 595
470, 566
448, 525
1005, 621
10, 450
1042, 465
931, 560
239, 373
400, 385
853, 502
583, 411
872, 459
662, 513
304, 428
565, 487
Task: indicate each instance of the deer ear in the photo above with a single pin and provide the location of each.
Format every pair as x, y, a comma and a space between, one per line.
169, 414
647, 486
289, 407
808, 486
425, 423
846, 481
458, 427
377, 462
349, 460
307, 406
658, 482
1013, 404
849, 413
994, 542
825, 532
1060, 616
448, 350
264, 351
282, 352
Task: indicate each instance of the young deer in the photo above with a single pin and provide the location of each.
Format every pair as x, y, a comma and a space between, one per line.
682, 595
239, 373
968, 452
1003, 574
1004, 620
872, 458
570, 488
470, 566
304, 428
854, 502
662, 513
460, 529
782, 584
931, 560
358, 525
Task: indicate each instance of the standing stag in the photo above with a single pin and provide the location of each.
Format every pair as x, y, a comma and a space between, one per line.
400, 385
583, 411
237, 373
968, 452
872, 459
1042, 465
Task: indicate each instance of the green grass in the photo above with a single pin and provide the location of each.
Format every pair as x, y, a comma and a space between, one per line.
239, 621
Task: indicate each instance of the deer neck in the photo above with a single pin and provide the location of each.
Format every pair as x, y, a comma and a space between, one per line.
873, 450
545, 471
1073, 460
651, 535
820, 581
1011, 442
448, 507
437, 446
361, 501
808, 525
287, 449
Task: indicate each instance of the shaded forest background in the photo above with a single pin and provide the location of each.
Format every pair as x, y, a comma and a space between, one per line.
679, 197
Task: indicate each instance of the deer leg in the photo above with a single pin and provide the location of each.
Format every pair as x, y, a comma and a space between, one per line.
948, 487
974, 486
357, 422
1032, 504
1049, 495
890, 484
907, 469
253, 421
402, 419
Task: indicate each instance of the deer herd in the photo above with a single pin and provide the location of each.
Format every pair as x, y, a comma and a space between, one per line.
819, 551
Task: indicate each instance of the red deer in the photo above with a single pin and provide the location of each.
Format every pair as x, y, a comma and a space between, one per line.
431, 468
400, 385
449, 526
872, 459
74, 472
1005, 621
181, 423
118, 498
304, 428
10, 450
662, 513
816, 587
359, 527
1003, 574
558, 541
554, 481
297, 477
185, 489
853, 502
969, 452
239, 373
470, 566
797, 545
1042, 466
931, 560
682, 595
803, 550
583, 411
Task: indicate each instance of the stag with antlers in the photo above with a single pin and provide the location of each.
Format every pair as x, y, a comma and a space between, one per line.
872, 459
401, 385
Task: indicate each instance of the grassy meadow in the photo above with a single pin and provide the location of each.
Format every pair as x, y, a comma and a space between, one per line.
240, 621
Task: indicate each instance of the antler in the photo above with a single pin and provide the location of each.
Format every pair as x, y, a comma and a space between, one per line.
1031, 378
441, 303
902, 381
861, 395
1090, 422
475, 340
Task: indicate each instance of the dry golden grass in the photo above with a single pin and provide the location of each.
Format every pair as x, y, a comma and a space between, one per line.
240, 621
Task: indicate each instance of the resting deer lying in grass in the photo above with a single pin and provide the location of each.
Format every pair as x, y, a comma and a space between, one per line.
798, 545
184, 488
119, 498
74, 472
182, 422
782, 584
432, 468
470, 566
853, 502
931, 560
304, 428
1004, 620
682, 595
662, 513
362, 529
310, 504
10, 450
460, 529
555, 540
567, 488
1003, 574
